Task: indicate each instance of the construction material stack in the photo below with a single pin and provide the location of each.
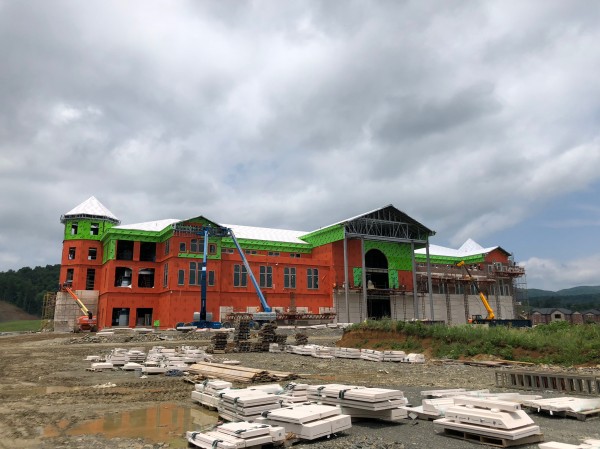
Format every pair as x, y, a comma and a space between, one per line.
308, 421
361, 402
495, 422
238, 435
208, 392
247, 404
218, 343
301, 339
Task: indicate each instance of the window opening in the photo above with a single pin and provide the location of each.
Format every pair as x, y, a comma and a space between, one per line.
148, 251
181, 277
289, 277
123, 277
92, 253
94, 229
72, 253
166, 275
74, 228
266, 276
124, 250
239, 276
146, 278
211, 278
313, 278
90, 278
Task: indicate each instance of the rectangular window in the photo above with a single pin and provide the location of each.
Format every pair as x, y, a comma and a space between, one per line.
273, 253
289, 277
166, 276
167, 246
211, 278
312, 278
294, 255
266, 277
182, 247
181, 277
460, 289
193, 271
72, 253
92, 253
212, 248
90, 278
74, 228
69, 279
94, 229
240, 276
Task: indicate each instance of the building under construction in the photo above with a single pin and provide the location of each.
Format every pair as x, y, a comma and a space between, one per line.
376, 264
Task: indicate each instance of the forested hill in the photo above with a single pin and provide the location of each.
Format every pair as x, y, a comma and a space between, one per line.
25, 288
575, 298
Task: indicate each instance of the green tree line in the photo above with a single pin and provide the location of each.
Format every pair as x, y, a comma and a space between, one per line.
26, 287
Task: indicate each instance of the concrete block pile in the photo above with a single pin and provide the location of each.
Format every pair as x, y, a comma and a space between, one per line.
564, 406
246, 404
352, 353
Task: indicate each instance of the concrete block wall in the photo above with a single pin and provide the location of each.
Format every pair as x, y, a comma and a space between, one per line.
448, 308
67, 311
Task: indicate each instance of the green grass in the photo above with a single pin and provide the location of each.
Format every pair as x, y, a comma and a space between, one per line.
557, 343
20, 326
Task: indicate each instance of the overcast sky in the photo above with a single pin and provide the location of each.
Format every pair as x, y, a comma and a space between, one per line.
479, 119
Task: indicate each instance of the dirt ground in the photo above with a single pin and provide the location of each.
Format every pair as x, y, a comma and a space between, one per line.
49, 400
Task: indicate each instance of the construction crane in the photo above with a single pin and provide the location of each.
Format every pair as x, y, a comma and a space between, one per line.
490, 312
87, 321
267, 313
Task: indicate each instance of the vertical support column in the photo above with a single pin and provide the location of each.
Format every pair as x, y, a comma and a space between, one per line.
364, 279
414, 278
429, 283
346, 287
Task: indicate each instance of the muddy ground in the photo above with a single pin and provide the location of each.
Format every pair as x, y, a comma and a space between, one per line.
49, 400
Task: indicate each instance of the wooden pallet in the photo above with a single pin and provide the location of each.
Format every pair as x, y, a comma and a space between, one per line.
491, 441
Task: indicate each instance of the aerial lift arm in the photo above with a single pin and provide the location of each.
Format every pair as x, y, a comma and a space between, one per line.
81, 305
490, 312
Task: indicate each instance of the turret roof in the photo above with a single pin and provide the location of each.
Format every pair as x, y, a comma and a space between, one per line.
91, 208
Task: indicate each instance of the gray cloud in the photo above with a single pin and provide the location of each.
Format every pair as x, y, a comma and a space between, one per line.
293, 114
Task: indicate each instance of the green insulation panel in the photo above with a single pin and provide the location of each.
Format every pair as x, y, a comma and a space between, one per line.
109, 250
325, 236
398, 255
393, 278
448, 260
264, 245
357, 275
84, 229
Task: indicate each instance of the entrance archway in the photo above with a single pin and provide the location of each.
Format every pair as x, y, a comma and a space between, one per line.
376, 268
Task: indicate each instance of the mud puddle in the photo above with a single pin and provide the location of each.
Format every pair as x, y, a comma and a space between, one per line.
161, 423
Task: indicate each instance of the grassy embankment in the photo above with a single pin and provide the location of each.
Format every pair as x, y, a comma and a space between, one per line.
558, 343
20, 326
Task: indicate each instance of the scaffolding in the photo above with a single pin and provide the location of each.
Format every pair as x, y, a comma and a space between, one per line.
48, 308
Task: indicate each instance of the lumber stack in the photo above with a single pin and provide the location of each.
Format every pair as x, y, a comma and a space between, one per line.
237, 435
238, 373
308, 421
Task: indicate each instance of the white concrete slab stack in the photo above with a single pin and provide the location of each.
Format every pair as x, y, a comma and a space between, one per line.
347, 353
294, 393
371, 355
237, 435
414, 358
308, 421
489, 421
587, 444
394, 356
207, 393
563, 404
246, 404
361, 402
